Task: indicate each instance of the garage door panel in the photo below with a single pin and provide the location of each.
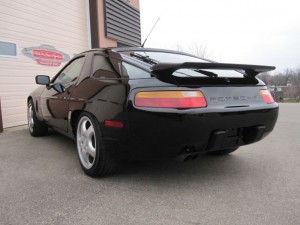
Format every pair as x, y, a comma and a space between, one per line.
37, 12
15, 110
14, 120
38, 38
34, 24
16, 24
26, 88
17, 80
11, 103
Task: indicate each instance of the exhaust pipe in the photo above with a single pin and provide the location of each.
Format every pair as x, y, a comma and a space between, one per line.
187, 154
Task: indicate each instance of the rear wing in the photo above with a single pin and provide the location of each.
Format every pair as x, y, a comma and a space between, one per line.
167, 69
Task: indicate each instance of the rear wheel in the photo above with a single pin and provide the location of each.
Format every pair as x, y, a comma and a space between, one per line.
223, 151
94, 157
36, 128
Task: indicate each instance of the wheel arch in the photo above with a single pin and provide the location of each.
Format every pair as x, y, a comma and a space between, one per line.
37, 127
29, 98
73, 121
35, 104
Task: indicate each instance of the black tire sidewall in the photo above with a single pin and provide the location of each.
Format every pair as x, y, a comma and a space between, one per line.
39, 129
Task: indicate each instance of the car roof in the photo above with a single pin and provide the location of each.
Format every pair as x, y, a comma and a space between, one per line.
134, 49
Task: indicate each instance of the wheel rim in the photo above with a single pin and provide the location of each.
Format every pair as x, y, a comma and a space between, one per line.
86, 142
30, 117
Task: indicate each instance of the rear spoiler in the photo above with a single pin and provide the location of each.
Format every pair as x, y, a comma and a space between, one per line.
167, 69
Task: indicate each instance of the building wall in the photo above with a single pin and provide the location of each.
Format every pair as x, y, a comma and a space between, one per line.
30, 24
46, 35
122, 22
104, 41
134, 3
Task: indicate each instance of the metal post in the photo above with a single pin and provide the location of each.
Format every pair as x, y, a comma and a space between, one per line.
1, 122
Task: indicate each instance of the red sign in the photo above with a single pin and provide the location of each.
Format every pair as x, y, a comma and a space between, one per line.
47, 63
46, 55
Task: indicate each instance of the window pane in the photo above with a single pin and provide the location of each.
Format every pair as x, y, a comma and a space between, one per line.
133, 72
105, 68
71, 72
7, 48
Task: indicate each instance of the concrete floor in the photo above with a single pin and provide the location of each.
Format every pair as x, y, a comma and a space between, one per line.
41, 182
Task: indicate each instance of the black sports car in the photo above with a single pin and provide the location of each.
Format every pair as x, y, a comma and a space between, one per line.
137, 103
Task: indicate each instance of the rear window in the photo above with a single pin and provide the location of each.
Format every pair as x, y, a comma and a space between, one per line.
133, 72
152, 57
166, 57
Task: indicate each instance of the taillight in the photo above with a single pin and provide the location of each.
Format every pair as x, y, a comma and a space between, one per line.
266, 96
170, 99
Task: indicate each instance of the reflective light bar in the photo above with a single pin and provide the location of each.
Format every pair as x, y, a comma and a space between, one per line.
266, 96
170, 99
111, 123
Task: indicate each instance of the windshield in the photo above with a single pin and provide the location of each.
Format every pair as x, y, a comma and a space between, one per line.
152, 57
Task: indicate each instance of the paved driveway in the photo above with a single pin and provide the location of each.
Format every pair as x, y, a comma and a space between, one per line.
41, 182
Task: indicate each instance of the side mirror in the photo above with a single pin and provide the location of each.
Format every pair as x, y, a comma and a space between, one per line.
42, 79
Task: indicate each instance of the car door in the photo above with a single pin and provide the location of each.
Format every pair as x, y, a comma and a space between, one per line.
55, 98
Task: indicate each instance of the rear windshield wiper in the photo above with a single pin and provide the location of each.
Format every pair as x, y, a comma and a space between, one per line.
207, 73
145, 59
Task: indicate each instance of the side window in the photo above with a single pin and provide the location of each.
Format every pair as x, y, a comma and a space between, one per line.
71, 72
105, 68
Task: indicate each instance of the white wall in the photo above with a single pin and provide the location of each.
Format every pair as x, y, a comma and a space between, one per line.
31, 23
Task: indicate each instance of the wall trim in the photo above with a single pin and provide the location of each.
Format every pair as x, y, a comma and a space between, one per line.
94, 25
88, 22
1, 121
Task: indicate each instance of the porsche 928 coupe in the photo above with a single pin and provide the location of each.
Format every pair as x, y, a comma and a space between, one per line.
136, 103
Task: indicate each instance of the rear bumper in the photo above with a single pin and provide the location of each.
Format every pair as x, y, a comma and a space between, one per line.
160, 135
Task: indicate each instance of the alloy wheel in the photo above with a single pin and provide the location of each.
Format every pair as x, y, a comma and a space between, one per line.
30, 117
86, 142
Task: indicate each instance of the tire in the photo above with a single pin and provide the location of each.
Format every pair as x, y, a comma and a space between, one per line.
223, 151
36, 127
95, 159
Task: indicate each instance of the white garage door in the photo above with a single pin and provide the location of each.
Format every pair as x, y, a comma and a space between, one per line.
36, 37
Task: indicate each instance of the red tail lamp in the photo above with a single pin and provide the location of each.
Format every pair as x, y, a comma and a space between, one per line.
266, 96
170, 99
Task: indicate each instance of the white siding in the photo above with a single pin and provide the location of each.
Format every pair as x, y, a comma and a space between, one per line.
31, 23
